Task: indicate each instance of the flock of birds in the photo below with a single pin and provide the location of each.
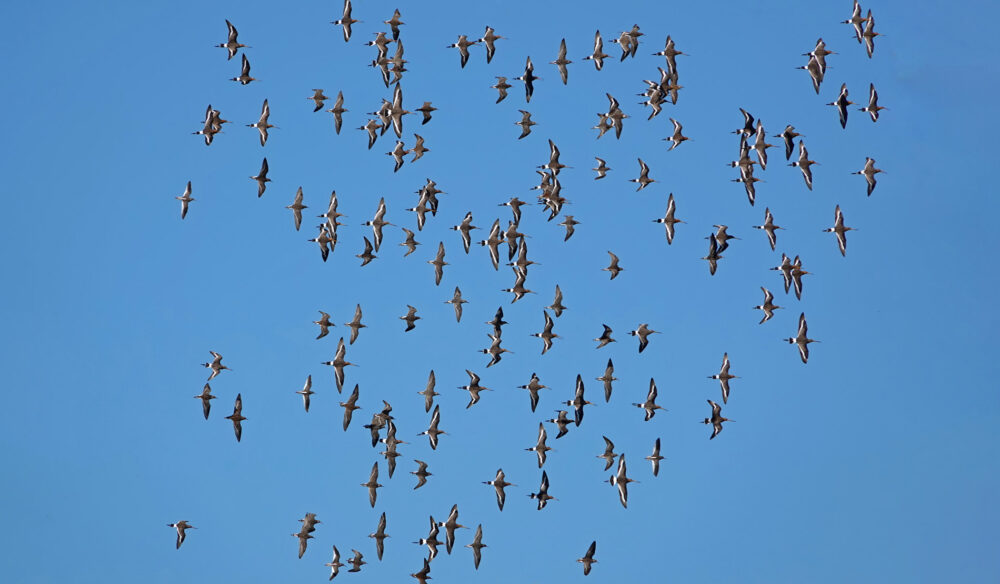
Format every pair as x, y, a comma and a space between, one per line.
752, 148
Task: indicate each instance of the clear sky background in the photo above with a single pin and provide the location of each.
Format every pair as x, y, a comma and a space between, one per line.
875, 462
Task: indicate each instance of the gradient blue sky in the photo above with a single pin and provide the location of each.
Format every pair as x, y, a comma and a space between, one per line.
874, 462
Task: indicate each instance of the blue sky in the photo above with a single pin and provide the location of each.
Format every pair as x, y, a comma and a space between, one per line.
875, 461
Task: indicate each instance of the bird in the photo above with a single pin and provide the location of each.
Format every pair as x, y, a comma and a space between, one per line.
873, 107
525, 123
501, 86
346, 21
410, 243
429, 392
557, 306
588, 559
620, 480
841, 104
473, 388
839, 230
613, 266
411, 318
713, 256
805, 165
499, 484
748, 129
529, 78
457, 301
723, 376
426, 109
318, 98
335, 565
206, 396
237, 417
338, 364
394, 24
244, 78
372, 127
382, 43
231, 44
797, 273
605, 337
497, 321
421, 474
561, 62
819, 53
358, 560
769, 227
372, 485
624, 41
431, 541
542, 495
546, 335
716, 420
760, 145
518, 290
655, 458
748, 181
869, 172
643, 332
355, 324
366, 256
379, 536
601, 169
650, 404
562, 422
424, 574
802, 338
439, 264
578, 401
304, 538
515, 205
768, 306
262, 124
465, 228
856, 20
723, 237
788, 135
532, 386
668, 220
450, 525
306, 391
338, 110
349, 406
296, 208
786, 271
261, 178
181, 527
397, 153
489, 39
432, 431
670, 53
215, 365
540, 448
212, 126
324, 325
607, 378
185, 199
598, 55
643, 179
463, 45
816, 72
677, 138
609, 453
869, 34
477, 545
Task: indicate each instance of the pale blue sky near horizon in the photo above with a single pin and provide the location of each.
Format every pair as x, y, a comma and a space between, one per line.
876, 461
